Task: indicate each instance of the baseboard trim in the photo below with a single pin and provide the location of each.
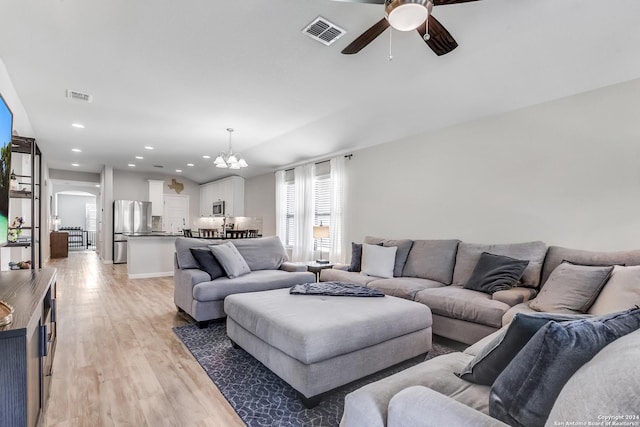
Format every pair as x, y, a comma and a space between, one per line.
149, 275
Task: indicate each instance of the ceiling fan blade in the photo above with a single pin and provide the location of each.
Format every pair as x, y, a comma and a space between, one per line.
367, 37
365, 1
441, 42
445, 2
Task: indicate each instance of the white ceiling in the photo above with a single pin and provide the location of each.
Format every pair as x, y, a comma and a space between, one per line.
176, 74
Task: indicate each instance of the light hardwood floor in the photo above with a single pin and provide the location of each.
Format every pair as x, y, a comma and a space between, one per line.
117, 360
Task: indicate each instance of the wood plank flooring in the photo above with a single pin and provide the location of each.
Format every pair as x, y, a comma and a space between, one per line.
118, 363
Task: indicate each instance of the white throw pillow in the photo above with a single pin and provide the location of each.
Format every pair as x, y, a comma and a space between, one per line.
378, 260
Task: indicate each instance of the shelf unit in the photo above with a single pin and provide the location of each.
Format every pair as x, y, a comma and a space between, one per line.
26, 159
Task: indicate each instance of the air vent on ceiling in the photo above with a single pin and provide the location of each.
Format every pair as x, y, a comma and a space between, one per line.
79, 96
323, 31
158, 166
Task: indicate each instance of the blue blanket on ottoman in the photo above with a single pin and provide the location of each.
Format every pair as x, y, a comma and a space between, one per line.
334, 289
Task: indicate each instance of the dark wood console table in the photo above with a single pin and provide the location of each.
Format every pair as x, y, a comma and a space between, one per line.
59, 244
27, 345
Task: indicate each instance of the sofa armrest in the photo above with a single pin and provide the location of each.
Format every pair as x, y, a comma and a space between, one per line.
344, 267
422, 407
191, 276
514, 296
293, 267
184, 281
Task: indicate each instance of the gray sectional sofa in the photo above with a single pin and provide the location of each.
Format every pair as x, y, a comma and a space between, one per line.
203, 298
433, 272
431, 394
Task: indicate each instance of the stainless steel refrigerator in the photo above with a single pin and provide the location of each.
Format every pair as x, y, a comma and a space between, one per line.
129, 217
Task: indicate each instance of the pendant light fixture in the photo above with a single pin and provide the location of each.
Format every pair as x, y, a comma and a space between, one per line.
230, 159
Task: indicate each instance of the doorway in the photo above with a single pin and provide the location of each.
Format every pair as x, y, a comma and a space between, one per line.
176, 213
76, 214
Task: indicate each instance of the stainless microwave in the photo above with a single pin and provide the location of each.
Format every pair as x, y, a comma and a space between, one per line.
218, 208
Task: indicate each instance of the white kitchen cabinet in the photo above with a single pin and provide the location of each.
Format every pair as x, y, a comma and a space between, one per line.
156, 196
208, 194
230, 190
233, 191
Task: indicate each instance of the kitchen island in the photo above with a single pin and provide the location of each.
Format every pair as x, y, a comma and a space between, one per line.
150, 255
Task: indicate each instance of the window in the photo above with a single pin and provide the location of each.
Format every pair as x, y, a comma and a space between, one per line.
322, 214
290, 224
323, 208
320, 189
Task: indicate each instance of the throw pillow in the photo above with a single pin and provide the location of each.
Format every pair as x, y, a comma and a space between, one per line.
264, 253
524, 393
571, 288
403, 245
485, 367
378, 260
621, 292
230, 260
207, 262
495, 273
356, 257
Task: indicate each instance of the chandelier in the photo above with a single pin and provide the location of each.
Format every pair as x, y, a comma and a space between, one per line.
230, 159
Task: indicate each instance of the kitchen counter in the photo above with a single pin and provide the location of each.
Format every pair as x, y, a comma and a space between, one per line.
150, 255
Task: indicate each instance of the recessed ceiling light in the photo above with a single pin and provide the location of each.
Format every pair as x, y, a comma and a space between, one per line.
190, 165
139, 157
76, 150
148, 147
131, 165
75, 164
206, 157
178, 170
98, 185
77, 125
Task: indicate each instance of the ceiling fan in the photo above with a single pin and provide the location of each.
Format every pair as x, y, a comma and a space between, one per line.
408, 15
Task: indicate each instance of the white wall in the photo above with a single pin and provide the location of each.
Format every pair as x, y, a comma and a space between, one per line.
46, 209
566, 172
105, 216
72, 209
21, 123
259, 201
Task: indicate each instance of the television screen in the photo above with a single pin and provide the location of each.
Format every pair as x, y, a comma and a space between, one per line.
6, 126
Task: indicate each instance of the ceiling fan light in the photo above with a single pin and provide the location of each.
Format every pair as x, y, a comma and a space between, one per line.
407, 15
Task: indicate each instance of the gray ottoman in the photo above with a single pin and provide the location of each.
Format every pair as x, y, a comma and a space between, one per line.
318, 343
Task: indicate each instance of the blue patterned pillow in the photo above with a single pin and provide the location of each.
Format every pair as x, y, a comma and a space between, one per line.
524, 393
485, 367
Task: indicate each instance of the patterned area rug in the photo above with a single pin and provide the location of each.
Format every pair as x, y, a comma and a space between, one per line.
258, 395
